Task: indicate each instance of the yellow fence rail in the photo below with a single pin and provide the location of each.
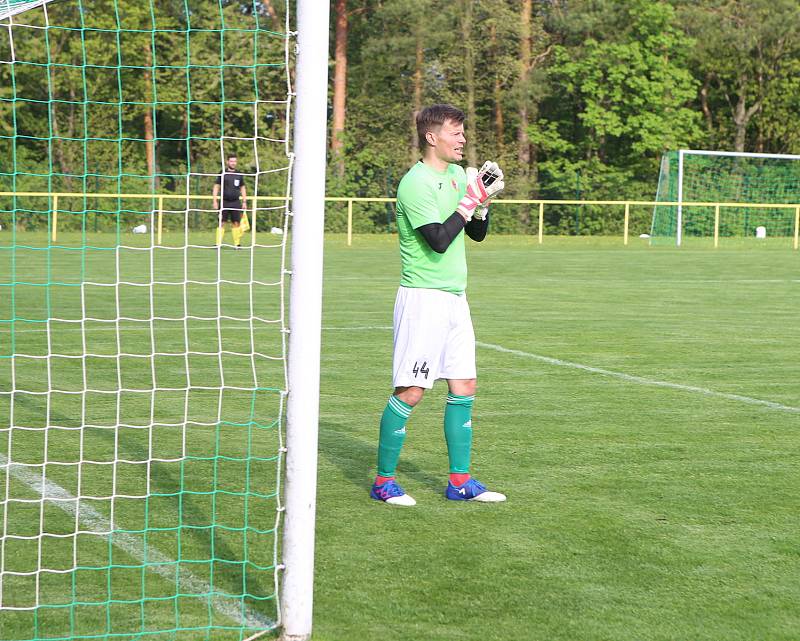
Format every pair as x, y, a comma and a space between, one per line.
625, 205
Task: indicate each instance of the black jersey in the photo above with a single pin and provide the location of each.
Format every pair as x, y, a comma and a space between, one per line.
231, 187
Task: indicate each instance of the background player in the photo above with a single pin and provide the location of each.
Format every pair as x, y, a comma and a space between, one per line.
437, 201
234, 201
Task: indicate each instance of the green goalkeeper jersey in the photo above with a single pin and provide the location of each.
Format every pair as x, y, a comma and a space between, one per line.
428, 196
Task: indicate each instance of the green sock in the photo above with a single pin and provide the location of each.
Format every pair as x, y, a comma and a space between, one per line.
458, 432
392, 435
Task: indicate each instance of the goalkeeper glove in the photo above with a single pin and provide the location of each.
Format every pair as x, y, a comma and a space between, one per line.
481, 187
492, 176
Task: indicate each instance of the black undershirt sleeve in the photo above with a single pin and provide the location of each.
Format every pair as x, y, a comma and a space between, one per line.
476, 229
440, 235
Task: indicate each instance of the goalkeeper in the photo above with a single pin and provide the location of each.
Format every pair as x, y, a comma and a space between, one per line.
437, 201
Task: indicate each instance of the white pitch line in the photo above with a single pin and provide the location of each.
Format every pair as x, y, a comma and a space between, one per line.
640, 380
162, 564
693, 281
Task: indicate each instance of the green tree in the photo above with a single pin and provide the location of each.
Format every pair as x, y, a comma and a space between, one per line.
627, 99
745, 52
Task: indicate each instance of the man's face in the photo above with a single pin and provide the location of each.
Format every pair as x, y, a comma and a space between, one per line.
232, 163
449, 141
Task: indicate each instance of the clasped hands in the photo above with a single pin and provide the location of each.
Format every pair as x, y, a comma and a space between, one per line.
482, 185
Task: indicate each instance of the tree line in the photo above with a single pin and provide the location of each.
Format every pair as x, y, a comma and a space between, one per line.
575, 99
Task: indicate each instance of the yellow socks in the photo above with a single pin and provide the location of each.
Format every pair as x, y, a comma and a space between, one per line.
236, 232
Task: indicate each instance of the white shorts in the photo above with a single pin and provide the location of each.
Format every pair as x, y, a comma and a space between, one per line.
433, 337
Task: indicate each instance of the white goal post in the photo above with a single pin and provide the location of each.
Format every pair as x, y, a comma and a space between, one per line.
305, 319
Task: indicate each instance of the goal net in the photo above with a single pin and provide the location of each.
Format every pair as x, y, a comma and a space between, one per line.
142, 365
757, 193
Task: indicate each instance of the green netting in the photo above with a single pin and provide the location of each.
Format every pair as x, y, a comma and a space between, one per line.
142, 375
760, 180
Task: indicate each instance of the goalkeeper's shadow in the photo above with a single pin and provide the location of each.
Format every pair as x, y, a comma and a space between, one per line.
356, 458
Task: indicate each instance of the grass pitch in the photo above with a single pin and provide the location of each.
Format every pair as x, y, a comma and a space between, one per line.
639, 406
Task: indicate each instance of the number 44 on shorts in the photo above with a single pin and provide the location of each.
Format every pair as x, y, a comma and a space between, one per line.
421, 370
